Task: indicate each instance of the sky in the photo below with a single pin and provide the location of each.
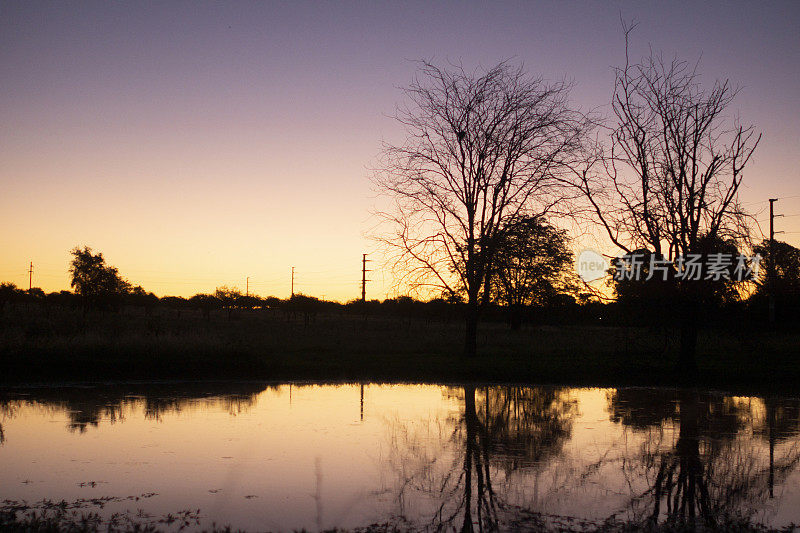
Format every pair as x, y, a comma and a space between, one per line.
196, 144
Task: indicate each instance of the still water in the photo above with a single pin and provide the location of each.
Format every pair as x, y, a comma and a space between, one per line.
282, 457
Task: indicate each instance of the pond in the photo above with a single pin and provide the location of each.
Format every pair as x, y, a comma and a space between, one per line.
282, 457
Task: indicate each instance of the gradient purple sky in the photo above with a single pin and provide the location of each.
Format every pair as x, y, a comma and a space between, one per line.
197, 143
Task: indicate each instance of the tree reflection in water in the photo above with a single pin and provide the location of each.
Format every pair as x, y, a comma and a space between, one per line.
87, 406
515, 457
713, 472
467, 468
675, 458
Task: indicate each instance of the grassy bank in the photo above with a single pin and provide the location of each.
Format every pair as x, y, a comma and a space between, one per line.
60, 344
56, 518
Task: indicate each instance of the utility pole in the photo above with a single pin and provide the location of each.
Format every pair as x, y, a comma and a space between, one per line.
30, 277
292, 282
247, 291
771, 221
364, 279
771, 272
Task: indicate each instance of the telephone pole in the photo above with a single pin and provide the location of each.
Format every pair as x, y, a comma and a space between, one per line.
247, 291
364, 279
292, 282
30, 277
771, 271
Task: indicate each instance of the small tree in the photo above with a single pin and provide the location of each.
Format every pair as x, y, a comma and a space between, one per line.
483, 151
99, 285
779, 275
779, 270
533, 266
9, 292
653, 297
139, 297
229, 298
205, 303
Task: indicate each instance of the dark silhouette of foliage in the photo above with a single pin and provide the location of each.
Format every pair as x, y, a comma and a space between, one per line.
99, 284
653, 297
9, 293
64, 299
301, 304
271, 302
248, 301
779, 275
726, 289
139, 297
639, 296
206, 303
175, 302
533, 266
783, 262
35, 293
229, 297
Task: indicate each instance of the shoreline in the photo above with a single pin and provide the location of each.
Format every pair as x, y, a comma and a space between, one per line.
787, 386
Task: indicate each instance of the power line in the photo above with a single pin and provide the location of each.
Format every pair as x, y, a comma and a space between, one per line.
778, 198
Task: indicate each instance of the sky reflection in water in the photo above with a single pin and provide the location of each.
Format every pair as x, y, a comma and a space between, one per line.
284, 457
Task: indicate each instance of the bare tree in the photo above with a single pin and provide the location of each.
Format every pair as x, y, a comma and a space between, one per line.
676, 162
483, 151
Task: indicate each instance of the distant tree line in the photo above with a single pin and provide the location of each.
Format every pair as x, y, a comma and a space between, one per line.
536, 284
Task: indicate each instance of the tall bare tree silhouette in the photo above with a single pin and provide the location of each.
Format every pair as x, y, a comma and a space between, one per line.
483, 150
671, 176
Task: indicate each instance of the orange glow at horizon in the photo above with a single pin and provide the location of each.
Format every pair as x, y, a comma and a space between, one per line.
197, 147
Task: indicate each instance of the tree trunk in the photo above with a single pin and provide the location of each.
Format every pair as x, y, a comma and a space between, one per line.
471, 337
470, 419
695, 492
515, 316
687, 362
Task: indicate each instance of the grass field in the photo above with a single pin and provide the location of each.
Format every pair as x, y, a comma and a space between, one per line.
65, 345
